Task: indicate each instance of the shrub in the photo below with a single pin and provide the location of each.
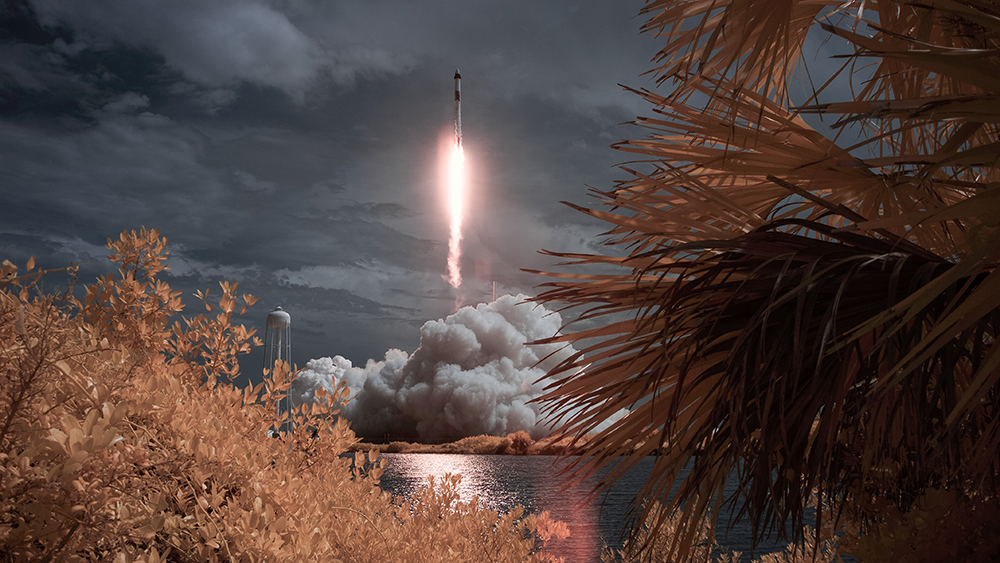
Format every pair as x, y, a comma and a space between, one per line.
122, 439
520, 442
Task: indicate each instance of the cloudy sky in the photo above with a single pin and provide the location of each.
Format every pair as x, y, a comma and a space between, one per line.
294, 145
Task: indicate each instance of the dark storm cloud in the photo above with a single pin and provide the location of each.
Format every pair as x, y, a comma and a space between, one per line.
293, 146
211, 43
368, 211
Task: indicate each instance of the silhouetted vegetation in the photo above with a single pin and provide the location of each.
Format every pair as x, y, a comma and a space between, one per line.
814, 315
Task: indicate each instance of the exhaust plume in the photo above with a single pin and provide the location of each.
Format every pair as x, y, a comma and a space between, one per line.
472, 374
456, 203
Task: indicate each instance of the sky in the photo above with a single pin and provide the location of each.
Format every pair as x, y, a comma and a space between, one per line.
295, 147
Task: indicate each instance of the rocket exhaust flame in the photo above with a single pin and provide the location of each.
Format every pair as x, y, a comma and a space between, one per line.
456, 197
456, 191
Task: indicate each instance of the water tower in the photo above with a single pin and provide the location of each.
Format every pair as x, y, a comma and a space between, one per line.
278, 346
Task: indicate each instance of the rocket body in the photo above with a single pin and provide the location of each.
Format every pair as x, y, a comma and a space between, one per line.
458, 108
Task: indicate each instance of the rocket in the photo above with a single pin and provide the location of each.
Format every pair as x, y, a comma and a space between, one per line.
458, 108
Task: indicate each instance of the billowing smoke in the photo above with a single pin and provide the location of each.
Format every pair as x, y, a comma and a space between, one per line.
472, 374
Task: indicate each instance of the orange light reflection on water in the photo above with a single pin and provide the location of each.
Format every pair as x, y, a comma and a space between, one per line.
538, 489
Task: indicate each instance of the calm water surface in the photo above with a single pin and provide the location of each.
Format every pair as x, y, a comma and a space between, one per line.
502, 482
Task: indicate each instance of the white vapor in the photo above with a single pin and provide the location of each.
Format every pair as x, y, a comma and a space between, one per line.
471, 374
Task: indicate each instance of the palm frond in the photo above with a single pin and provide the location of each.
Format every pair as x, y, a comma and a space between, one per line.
803, 315
741, 360
756, 44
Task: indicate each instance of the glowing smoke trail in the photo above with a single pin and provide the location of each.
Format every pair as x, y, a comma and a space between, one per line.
456, 196
456, 191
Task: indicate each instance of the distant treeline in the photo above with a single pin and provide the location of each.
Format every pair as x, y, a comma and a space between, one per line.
518, 443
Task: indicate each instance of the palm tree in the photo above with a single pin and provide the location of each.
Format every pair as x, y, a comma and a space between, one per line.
810, 313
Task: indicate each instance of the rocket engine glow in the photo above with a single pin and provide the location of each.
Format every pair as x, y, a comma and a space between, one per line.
456, 191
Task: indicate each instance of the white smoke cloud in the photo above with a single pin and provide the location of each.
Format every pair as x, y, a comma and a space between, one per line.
471, 374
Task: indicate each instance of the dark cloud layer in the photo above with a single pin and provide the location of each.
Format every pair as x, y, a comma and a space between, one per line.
294, 146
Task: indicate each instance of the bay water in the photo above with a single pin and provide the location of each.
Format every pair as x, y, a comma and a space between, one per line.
503, 482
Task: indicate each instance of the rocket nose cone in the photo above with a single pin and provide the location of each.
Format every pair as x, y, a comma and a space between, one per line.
458, 74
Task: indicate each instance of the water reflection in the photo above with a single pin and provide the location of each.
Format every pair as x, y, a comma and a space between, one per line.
481, 476
502, 482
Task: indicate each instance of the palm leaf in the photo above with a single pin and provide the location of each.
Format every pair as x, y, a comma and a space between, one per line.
806, 316
737, 366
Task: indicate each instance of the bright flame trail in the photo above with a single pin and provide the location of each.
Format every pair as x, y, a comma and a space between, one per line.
456, 202
456, 191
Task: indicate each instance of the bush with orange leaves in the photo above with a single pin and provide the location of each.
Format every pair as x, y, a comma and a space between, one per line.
122, 439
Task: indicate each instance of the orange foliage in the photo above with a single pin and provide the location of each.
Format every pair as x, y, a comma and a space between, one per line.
122, 439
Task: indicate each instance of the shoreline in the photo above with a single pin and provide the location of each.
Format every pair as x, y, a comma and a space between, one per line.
518, 443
